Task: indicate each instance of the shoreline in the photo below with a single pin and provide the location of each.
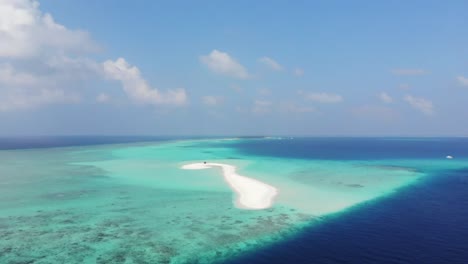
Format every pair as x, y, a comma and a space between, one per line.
250, 193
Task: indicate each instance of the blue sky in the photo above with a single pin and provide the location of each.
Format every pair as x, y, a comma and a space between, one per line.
360, 68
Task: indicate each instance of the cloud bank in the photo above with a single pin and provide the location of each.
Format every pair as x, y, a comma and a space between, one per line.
211, 100
137, 88
261, 107
384, 97
321, 97
42, 62
270, 63
298, 72
222, 63
462, 80
423, 105
26, 31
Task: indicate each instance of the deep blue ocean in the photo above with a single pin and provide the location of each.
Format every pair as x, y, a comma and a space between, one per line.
28, 142
423, 223
338, 148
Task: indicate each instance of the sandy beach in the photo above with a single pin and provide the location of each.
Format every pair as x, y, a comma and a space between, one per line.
251, 194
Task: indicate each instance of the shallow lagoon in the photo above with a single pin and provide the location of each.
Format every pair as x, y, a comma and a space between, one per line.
131, 203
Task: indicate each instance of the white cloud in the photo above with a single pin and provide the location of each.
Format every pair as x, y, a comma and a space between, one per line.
9, 76
261, 107
211, 100
290, 107
271, 63
21, 99
73, 68
137, 88
378, 113
408, 72
25, 31
462, 80
385, 98
38, 67
103, 98
323, 97
298, 72
43, 62
236, 88
23, 90
221, 63
264, 91
421, 104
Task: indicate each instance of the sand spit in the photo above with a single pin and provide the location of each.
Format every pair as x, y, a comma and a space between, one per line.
251, 194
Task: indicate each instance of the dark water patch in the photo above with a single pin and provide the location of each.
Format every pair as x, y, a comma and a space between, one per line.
70, 195
83, 172
354, 185
391, 168
424, 223
29, 142
354, 148
186, 146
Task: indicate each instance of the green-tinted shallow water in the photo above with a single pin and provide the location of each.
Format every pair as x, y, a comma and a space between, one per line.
131, 203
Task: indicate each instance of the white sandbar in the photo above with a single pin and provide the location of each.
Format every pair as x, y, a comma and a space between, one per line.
251, 193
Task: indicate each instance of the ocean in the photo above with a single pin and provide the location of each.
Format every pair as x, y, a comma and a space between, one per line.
126, 200
424, 223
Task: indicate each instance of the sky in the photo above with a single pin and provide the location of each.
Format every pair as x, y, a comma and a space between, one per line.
309, 68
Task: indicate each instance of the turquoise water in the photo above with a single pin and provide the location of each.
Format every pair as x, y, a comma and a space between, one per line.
131, 203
